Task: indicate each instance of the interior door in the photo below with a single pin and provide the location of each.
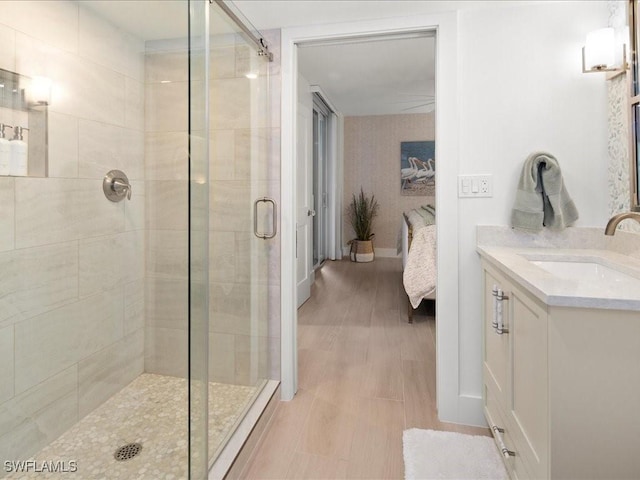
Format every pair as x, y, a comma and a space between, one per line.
320, 187
304, 192
317, 248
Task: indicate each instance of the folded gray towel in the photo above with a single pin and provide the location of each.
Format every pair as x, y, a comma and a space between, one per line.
542, 199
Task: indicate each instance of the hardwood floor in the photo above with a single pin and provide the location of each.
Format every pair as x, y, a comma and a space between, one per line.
365, 375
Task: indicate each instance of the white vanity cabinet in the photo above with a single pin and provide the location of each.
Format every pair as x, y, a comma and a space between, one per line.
561, 385
516, 375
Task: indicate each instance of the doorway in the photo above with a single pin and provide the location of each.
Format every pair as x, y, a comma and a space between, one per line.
383, 88
446, 124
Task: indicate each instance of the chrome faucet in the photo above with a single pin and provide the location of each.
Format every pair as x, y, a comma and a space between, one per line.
613, 222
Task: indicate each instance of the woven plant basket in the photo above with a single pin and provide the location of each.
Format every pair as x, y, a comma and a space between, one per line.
361, 251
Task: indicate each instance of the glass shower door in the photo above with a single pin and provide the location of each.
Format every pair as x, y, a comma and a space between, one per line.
234, 248
244, 244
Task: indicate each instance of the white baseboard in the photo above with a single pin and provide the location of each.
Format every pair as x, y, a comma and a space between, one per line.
387, 253
380, 252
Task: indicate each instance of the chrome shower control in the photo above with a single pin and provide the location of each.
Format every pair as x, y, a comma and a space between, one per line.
116, 186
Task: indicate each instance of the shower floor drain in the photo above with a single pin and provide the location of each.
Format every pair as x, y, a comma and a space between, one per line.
127, 452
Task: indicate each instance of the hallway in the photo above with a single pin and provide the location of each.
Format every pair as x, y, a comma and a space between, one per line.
365, 375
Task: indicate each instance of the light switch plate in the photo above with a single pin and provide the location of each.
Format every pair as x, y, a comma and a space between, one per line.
475, 186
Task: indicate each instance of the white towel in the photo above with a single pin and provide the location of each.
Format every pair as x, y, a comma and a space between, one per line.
419, 276
542, 199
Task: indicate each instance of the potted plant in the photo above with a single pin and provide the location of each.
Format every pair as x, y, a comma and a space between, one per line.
362, 211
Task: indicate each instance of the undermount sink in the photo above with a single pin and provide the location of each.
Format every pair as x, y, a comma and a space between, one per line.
584, 271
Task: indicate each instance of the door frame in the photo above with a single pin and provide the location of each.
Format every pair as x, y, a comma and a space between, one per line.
447, 344
304, 222
327, 212
334, 171
319, 173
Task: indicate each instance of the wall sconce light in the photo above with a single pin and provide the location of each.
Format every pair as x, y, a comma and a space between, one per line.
598, 54
39, 92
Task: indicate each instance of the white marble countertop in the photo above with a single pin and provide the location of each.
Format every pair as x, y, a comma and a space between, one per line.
565, 292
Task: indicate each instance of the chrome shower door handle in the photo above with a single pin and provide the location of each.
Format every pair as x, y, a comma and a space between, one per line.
274, 229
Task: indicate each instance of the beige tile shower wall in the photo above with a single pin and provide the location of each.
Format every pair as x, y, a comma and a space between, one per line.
72, 263
372, 161
167, 212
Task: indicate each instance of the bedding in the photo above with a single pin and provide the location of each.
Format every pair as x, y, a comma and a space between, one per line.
419, 255
419, 276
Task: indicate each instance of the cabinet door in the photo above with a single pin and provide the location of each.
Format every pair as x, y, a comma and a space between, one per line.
496, 347
529, 406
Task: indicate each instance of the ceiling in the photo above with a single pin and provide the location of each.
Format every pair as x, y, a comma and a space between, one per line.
380, 76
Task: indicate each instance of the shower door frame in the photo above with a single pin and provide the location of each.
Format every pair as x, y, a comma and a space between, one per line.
452, 404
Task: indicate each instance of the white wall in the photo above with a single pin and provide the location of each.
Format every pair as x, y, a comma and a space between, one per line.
371, 161
521, 89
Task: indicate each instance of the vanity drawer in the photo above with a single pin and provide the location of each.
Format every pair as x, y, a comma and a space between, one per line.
501, 431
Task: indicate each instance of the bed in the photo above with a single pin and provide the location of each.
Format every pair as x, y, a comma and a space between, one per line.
419, 256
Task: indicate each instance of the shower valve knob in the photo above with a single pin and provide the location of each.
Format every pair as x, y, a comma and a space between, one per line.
116, 186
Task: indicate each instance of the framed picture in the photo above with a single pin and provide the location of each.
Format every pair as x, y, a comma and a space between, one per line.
418, 168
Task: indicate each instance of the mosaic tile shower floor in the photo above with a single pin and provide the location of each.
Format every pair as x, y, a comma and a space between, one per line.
151, 410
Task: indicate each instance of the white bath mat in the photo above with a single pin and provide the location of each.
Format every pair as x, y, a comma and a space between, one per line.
429, 454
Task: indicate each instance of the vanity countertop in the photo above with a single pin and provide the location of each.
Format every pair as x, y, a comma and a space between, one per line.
569, 292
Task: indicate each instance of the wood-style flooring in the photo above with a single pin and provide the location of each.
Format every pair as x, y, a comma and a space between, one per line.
364, 376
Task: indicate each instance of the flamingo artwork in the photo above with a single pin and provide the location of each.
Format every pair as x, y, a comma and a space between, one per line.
417, 167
